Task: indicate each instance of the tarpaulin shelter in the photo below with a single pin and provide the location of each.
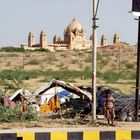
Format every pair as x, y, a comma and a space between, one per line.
25, 94
58, 86
63, 93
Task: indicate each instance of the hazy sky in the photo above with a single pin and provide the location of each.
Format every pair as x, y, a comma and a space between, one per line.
19, 17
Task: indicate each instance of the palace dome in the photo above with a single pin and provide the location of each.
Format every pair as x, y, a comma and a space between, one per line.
74, 26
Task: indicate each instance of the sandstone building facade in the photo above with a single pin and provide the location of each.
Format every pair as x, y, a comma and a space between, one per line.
74, 39
116, 40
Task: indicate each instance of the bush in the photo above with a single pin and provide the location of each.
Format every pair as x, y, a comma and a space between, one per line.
39, 50
129, 65
89, 59
33, 62
99, 57
113, 77
67, 74
128, 75
60, 75
12, 49
19, 75
102, 57
15, 49
14, 115
74, 61
29, 115
110, 76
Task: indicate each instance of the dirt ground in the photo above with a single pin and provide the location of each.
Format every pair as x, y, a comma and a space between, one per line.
58, 124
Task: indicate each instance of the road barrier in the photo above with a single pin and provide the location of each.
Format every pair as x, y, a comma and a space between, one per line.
83, 135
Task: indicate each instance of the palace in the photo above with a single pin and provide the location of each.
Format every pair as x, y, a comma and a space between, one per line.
74, 39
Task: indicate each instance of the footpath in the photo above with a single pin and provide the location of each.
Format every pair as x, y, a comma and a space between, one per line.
122, 131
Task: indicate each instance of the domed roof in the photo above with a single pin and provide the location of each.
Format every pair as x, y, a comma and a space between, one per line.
75, 26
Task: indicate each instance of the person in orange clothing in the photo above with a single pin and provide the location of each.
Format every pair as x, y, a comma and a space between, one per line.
45, 107
52, 104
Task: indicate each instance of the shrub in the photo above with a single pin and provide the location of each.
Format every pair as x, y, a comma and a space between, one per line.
33, 62
67, 74
12, 49
87, 68
9, 55
15, 49
29, 115
61, 65
129, 65
8, 64
14, 115
103, 57
87, 74
110, 76
63, 55
49, 74
74, 61
128, 75
89, 59
51, 56
99, 57
19, 75
40, 50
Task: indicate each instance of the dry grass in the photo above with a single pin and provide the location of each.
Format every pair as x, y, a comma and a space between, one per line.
65, 60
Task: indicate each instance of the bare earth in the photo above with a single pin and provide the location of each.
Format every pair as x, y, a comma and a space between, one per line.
55, 126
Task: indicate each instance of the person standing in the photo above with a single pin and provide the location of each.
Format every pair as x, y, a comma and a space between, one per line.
109, 106
45, 107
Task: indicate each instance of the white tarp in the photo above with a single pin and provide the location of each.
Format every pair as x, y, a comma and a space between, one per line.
50, 89
25, 93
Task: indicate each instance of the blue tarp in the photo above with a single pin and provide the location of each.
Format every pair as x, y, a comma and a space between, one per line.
63, 93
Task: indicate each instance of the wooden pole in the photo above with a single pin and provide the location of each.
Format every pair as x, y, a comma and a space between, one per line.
94, 57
